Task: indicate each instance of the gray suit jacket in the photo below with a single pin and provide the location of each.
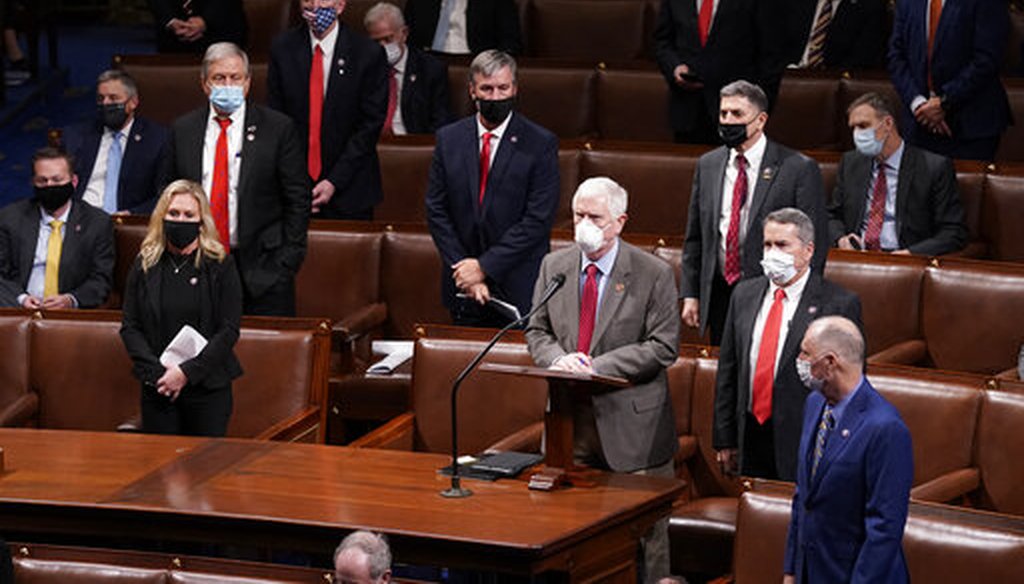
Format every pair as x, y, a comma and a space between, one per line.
636, 336
786, 179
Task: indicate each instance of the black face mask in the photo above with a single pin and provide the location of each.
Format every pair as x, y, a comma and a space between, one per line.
732, 135
496, 110
112, 115
180, 233
53, 197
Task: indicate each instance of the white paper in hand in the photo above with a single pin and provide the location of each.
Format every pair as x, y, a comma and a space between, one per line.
185, 345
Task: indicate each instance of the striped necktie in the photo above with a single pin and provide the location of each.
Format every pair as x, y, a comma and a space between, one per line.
826, 424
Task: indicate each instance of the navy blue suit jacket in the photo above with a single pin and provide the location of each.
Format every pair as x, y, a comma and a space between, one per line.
967, 53
354, 109
424, 93
139, 184
510, 233
847, 522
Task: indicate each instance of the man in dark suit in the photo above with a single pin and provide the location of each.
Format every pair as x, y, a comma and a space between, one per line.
891, 196
833, 34
491, 198
249, 161
944, 59
727, 207
417, 83
467, 27
190, 26
118, 155
55, 251
615, 316
702, 48
340, 121
759, 399
855, 468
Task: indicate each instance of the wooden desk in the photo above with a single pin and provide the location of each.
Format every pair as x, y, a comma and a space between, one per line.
305, 497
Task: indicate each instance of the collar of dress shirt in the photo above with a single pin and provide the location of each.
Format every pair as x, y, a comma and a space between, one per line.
894, 159
605, 263
840, 407
754, 155
237, 116
399, 67
326, 43
496, 132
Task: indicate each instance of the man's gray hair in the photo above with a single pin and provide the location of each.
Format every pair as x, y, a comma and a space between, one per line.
490, 62
793, 216
382, 10
218, 51
881, 104
374, 545
754, 94
117, 75
839, 335
605, 188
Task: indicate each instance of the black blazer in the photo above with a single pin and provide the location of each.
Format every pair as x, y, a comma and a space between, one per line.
139, 181
273, 191
855, 39
220, 316
929, 214
732, 384
225, 21
354, 109
424, 93
86, 259
490, 24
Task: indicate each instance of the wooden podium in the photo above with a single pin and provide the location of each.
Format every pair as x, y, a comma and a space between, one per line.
564, 390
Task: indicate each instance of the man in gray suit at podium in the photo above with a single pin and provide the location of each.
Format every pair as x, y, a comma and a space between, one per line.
616, 316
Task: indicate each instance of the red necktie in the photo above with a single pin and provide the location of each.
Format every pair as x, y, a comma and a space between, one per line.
392, 103
219, 185
485, 163
704, 20
876, 216
316, 108
732, 237
588, 310
764, 373
934, 13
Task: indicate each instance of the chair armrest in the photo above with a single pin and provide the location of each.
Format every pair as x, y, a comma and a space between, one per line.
904, 353
394, 435
687, 448
948, 487
360, 322
132, 424
20, 411
1010, 374
524, 440
301, 427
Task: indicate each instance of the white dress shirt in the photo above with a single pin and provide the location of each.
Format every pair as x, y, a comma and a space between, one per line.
37, 277
604, 265
753, 156
235, 132
397, 123
95, 189
457, 41
496, 135
793, 294
327, 46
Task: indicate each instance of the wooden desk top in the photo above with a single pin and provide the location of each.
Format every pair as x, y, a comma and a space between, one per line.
108, 477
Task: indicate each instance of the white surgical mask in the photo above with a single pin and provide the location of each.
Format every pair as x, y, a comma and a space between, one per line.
866, 142
588, 236
778, 266
394, 53
803, 369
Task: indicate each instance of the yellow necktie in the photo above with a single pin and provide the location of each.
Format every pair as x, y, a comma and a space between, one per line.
53, 259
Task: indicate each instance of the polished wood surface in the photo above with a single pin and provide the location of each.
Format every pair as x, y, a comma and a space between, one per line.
305, 496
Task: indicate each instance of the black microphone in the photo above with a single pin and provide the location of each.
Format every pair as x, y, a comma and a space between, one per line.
456, 490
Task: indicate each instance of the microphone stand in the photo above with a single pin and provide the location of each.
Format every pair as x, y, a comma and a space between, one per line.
455, 491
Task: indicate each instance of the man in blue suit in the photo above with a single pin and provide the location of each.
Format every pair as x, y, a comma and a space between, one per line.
117, 155
944, 59
491, 199
854, 471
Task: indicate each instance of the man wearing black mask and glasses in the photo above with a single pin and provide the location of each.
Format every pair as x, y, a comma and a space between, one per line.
55, 252
735, 187
491, 199
118, 153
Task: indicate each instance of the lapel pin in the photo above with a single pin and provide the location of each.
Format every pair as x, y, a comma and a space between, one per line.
619, 286
250, 137
846, 433
251, 129
341, 61
412, 78
812, 310
138, 138
78, 227
514, 139
766, 174
193, 281
341, 71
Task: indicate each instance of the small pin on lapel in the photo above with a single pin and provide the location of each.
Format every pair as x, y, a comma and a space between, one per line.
78, 227
250, 137
341, 61
619, 287
412, 78
846, 433
514, 139
812, 310
251, 129
341, 71
138, 138
766, 174
193, 281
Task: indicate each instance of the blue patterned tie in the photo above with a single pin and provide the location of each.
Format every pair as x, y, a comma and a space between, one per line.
113, 175
443, 22
827, 422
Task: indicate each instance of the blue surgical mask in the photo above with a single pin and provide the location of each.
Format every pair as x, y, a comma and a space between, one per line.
866, 142
320, 19
227, 98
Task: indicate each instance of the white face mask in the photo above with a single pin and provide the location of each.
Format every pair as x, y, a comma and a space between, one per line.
778, 266
866, 142
803, 369
588, 236
394, 53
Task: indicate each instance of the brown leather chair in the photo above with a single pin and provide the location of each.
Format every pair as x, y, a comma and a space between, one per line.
458, 90
971, 181
266, 19
129, 231
569, 156
1003, 212
806, 112
588, 31
632, 104
1010, 145
19, 404
560, 99
998, 450
404, 172
411, 282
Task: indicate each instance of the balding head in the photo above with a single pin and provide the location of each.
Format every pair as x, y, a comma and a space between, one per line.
840, 335
362, 558
834, 348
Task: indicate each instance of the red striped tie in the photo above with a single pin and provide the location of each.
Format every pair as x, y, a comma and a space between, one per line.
876, 216
732, 270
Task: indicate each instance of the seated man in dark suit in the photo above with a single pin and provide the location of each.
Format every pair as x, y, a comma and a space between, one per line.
464, 27
55, 251
892, 196
418, 83
118, 154
189, 26
491, 198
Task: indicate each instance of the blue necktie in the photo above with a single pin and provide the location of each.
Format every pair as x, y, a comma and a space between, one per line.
113, 175
443, 22
827, 421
